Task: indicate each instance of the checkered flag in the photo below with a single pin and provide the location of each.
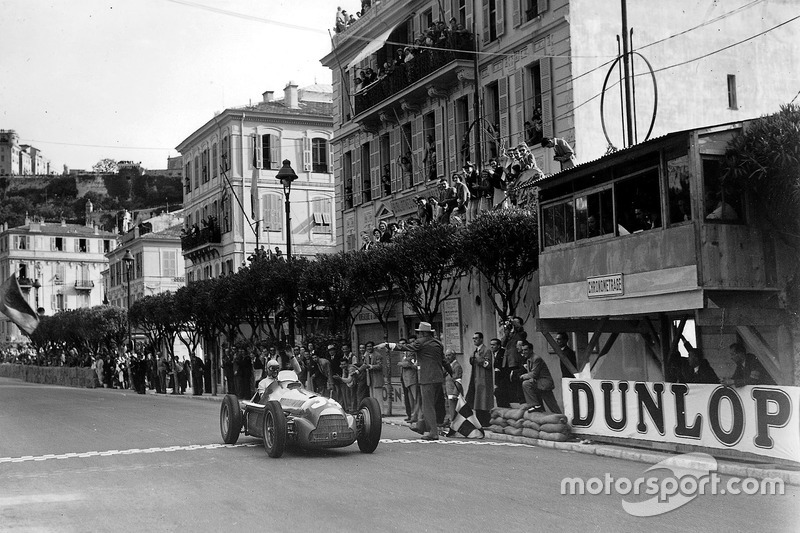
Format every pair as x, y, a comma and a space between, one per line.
465, 423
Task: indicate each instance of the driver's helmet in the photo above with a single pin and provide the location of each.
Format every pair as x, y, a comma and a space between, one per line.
272, 363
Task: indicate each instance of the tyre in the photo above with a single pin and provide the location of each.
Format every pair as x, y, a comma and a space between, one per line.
230, 419
370, 433
274, 429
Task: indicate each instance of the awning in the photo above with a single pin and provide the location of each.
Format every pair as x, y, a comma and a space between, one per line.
371, 47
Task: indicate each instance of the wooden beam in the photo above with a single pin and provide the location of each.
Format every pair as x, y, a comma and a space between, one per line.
587, 325
754, 316
650, 350
765, 355
651, 329
595, 339
678, 334
553, 344
606, 347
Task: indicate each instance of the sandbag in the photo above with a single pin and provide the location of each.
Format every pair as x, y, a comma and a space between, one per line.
530, 433
496, 429
498, 421
530, 424
556, 437
514, 414
512, 431
546, 418
499, 411
555, 428
516, 423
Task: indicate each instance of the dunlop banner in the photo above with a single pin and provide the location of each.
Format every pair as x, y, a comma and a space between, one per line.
763, 420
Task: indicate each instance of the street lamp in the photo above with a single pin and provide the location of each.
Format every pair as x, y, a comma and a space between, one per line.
286, 176
127, 260
36, 285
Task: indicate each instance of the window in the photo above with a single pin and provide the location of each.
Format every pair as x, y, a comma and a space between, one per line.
83, 275
60, 275
347, 179
187, 176
23, 270
58, 302
57, 244
493, 26
722, 202
106, 245
462, 122
638, 202
532, 9
169, 264
594, 214
82, 299
273, 213
385, 188
138, 264
225, 154
534, 123
366, 186
321, 212
226, 224
680, 200
22, 242
559, 223
429, 152
406, 157
268, 156
205, 171
319, 155
460, 11
214, 161
732, 92
426, 19
81, 246
491, 106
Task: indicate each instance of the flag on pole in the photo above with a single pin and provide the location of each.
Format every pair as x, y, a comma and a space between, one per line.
254, 182
465, 423
15, 307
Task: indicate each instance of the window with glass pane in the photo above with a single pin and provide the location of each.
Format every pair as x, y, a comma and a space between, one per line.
723, 203
680, 199
273, 214
638, 203
559, 224
594, 214
319, 155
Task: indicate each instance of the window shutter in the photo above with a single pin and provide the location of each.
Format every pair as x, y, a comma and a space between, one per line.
356, 173
447, 10
545, 65
519, 100
329, 162
275, 151
542, 6
52, 243
468, 17
417, 143
375, 167
486, 33
339, 173
439, 134
258, 160
451, 137
502, 96
470, 119
394, 150
499, 7
307, 154
517, 12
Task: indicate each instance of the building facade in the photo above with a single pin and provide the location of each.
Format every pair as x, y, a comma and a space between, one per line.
20, 159
233, 202
64, 260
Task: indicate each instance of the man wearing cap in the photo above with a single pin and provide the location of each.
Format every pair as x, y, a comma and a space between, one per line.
430, 356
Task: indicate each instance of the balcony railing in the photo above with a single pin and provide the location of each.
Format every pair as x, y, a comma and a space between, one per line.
25, 283
84, 284
424, 63
199, 237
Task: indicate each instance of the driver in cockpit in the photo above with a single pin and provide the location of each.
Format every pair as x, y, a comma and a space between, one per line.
268, 385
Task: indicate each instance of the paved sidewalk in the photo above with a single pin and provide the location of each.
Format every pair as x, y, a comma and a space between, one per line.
741, 469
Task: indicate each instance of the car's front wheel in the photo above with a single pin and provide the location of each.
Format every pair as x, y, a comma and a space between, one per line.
230, 419
274, 429
369, 434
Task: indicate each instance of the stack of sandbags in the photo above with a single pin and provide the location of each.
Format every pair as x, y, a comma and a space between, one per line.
519, 422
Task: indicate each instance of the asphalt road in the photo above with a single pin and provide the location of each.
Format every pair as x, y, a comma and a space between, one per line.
105, 460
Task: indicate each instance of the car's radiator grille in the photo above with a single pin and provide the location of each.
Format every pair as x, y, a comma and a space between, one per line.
331, 428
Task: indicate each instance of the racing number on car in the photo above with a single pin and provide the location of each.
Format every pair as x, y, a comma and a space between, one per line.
322, 401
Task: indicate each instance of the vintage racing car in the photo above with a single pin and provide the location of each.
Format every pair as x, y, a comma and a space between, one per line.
286, 413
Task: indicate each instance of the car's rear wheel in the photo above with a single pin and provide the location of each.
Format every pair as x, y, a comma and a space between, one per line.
274, 429
369, 434
230, 419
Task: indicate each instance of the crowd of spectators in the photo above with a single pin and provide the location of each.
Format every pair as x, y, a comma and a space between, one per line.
344, 20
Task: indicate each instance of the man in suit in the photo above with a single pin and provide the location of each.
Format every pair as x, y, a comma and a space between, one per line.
562, 340
430, 358
507, 391
537, 382
452, 383
374, 363
323, 375
481, 380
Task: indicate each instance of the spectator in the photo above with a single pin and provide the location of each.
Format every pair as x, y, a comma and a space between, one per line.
376, 236
471, 181
163, 371
361, 387
423, 210
99, 363
562, 340
197, 375
696, 368
537, 382
481, 380
341, 20
435, 209
562, 149
429, 160
407, 169
375, 376
386, 180
430, 357
322, 375
366, 243
447, 200
408, 376
452, 383
498, 184
227, 371
258, 364
749, 370
342, 385
463, 194
508, 391
485, 191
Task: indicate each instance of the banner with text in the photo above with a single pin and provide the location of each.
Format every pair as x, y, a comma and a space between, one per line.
763, 420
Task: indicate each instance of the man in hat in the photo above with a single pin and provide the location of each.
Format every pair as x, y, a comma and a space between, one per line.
430, 356
562, 150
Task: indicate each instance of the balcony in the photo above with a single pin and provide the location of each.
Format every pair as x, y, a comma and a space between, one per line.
84, 285
199, 243
430, 72
25, 283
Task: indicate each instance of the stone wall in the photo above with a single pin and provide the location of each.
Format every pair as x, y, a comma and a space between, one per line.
80, 377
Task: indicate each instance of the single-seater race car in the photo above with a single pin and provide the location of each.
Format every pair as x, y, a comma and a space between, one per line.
285, 413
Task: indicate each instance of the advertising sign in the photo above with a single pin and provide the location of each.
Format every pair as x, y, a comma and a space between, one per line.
762, 420
451, 324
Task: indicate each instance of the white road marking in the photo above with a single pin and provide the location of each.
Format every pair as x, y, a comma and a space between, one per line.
194, 447
40, 498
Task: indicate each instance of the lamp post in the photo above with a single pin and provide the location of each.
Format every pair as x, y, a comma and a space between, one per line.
127, 260
36, 285
286, 176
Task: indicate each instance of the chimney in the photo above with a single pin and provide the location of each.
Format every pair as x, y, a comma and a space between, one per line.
63, 222
290, 96
268, 96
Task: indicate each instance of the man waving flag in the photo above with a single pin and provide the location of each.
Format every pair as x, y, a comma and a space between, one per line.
16, 308
465, 423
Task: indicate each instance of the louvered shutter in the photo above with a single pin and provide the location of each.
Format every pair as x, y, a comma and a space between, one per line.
339, 174
275, 151
375, 167
452, 143
307, 154
517, 12
257, 147
519, 101
394, 151
502, 96
439, 134
356, 173
542, 6
472, 136
486, 22
417, 147
545, 65
468, 17
499, 6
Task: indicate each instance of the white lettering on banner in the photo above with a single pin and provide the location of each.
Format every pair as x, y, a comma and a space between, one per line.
763, 420
605, 286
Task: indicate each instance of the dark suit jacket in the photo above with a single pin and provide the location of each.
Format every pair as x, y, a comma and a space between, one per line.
430, 357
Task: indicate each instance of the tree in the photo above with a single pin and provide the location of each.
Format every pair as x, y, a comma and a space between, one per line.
376, 288
332, 279
426, 265
503, 246
106, 166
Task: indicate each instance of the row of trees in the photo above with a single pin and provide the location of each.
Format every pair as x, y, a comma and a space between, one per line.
323, 296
